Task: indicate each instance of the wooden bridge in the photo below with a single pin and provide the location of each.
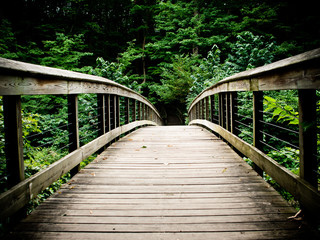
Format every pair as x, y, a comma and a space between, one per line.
163, 182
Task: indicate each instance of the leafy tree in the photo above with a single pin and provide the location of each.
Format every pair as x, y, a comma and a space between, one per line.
65, 52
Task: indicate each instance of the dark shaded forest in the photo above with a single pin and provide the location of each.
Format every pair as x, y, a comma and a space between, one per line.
167, 50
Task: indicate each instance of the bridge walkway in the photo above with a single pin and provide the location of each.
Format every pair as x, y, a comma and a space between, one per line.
169, 182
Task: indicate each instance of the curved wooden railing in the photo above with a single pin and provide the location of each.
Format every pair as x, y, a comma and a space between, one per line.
301, 73
17, 78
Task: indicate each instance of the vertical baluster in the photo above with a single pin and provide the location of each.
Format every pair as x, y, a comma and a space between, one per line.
101, 114
147, 112
207, 109
197, 110
257, 124
112, 112
221, 110
308, 136
107, 113
201, 109
73, 127
233, 114
228, 111
139, 111
142, 111
13, 139
127, 110
117, 110
134, 110
212, 102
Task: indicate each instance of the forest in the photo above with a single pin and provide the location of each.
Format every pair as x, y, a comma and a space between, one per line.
168, 50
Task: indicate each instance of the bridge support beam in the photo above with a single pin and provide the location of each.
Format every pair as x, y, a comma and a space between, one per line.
308, 136
257, 125
74, 142
13, 139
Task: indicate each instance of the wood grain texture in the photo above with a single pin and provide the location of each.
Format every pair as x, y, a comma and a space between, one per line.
19, 78
303, 191
19, 195
164, 183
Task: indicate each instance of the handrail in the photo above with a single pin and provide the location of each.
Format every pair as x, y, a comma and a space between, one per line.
18, 78
297, 72
301, 73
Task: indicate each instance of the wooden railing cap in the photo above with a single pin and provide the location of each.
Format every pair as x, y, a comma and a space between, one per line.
290, 73
29, 69
287, 62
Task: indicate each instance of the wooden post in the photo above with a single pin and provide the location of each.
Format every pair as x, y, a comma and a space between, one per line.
74, 143
127, 110
228, 110
147, 113
257, 125
201, 109
133, 110
233, 109
13, 139
308, 136
212, 102
101, 114
207, 109
139, 111
117, 107
221, 110
197, 111
142, 111
107, 113
112, 112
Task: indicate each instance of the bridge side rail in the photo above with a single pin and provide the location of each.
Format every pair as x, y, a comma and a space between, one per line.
216, 107
18, 78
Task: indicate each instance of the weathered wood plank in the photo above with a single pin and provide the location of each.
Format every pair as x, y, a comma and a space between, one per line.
302, 190
143, 200
15, 198
241, 235
19, 78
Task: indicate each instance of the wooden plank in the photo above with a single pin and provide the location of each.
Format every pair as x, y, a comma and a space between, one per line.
157, 220
241, 235
156, 228
15, 198
165, 212
128, 201
302, 190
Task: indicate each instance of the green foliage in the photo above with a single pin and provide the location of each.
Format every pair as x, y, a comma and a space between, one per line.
8, 40
65, 52
250, 51
287, 157
210, 71
283, 112
115, 72
41, 158
177, 79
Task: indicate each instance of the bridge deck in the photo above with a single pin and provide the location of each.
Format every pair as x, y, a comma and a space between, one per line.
164, 183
